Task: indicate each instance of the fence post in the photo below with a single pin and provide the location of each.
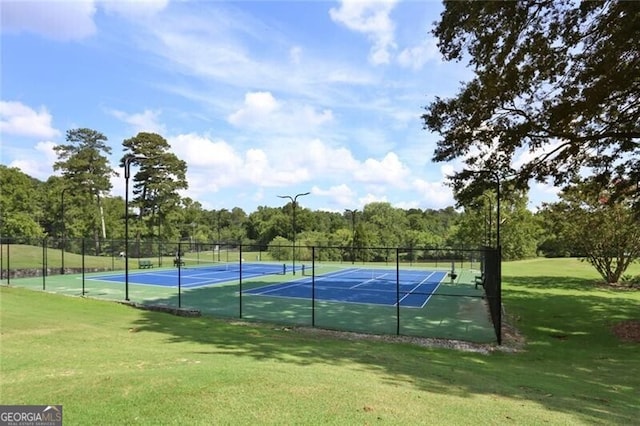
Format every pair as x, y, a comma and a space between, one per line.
240, 279
44, 262
313, 285
397, 292
83, 264
8, 263
499, 296
179, 259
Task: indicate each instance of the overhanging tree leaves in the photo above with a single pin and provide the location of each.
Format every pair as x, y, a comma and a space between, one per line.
557, 82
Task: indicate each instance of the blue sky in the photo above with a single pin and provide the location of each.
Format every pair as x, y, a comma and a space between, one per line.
260, 98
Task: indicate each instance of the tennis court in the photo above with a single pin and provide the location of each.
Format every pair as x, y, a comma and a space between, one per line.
437, 298
351, 285
195, 276
362, 285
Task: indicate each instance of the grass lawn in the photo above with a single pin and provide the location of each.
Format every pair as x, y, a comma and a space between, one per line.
108, 363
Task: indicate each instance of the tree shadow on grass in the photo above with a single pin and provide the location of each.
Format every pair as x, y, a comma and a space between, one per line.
550, 282
572, 363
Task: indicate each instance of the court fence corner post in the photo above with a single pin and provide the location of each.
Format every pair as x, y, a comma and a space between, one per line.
397, 291
313, 286
240, 283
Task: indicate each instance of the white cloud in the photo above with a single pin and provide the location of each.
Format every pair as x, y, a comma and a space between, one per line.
370, 18
372, 198
258, 106
326, 160
415, 57
388, 171
61, 20
146, 121
201, 152
234, 50
262, 111
133, 9
433, 193
40, 165
214, 165
341, 195
70, 20
447, 170
206, 46
19, 119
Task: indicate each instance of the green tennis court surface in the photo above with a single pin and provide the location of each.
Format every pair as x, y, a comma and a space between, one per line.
451, 309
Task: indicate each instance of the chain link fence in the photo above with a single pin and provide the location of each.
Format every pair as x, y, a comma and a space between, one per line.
447, 293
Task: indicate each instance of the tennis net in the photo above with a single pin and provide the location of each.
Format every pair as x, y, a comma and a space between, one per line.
248, 267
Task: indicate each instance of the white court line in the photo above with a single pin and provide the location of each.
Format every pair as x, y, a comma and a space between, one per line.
276, 287
414, 288
434, 290
366, 282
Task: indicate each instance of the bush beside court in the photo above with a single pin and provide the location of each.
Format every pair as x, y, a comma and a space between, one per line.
113, 364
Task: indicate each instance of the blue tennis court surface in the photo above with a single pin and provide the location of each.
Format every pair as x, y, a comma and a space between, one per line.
411, 288
371, 286
197, 276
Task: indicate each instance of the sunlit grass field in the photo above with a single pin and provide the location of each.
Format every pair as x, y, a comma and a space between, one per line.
108, 363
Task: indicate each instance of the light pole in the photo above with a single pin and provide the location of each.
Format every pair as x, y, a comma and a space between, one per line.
127, 172
293, 201
353, 234
218, 213
64, 230
497, 178
498, 266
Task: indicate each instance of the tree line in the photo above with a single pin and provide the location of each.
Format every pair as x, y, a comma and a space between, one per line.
77, 204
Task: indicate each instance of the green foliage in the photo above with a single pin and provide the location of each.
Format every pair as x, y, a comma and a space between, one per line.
20, 205
77, 205
86, 174
280, 249
606, 234
20, 226
519, 229
630, 280
389, 223
161, 174
552, 80
83, 161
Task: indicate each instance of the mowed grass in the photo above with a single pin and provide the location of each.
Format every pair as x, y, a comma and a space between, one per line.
108, 363
21, 256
